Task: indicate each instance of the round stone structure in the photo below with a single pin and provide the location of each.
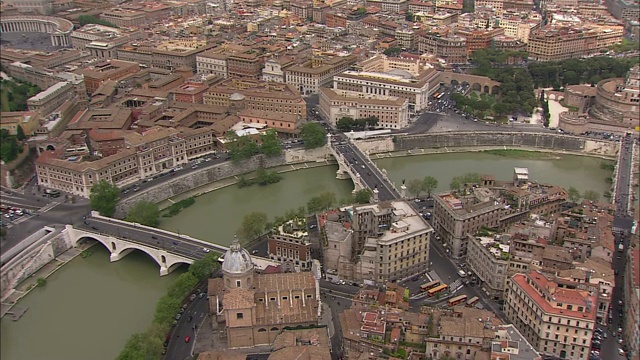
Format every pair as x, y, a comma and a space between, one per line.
59, 29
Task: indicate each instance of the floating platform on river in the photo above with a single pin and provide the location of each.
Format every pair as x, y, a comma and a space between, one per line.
15, 312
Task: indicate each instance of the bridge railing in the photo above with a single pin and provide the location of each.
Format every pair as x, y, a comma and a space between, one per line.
187, 238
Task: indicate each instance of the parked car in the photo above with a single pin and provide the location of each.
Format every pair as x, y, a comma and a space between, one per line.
187, 339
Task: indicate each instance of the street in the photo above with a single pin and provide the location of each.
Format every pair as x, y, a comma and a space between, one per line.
178, 348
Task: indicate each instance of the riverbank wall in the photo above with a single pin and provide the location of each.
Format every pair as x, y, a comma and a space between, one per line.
190, 184
220, 175
49, 244
477, 141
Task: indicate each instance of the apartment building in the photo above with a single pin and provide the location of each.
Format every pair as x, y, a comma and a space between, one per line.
455, 215
462, 333
392, 112
388, 241
44, 60
561, 43
309, 77
557, 321
492, 204
479, 38
169, 54
595, 276
256, 95
45, 102
450, 48
488, 259
406, 38
124, 18
44, 78
394, 6
631, 298
144, 155
289, 244
106, 70
628, 10
457, 333
493, 4
212, 62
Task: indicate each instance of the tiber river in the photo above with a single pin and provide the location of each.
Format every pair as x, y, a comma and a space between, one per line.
90, 307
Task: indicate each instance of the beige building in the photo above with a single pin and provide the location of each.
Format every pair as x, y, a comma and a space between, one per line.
491, 204
386, 241
556, 320
45, 102
249, 94
309, 77
569, 42
255, 308
145, 154
392, 112
169, 54
212, 62
396, 82
488, 259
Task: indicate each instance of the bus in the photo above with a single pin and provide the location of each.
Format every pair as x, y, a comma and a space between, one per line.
437, 289
439, 96
457, 300
429, 285
435, 96
472, 301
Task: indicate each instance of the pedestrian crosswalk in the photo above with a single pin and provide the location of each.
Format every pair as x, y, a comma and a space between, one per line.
49, 206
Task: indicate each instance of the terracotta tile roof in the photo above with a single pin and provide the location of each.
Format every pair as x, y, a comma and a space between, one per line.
564, 296
238, 298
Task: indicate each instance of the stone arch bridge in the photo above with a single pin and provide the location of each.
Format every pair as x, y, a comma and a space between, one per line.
476, 83
119, 248
169, 250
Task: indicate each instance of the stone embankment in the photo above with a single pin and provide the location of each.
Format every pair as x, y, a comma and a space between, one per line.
470, 141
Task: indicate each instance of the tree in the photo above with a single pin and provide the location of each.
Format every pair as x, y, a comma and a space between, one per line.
253, 225
363, 196
270, 144
141, 346
202, 268
241, 147
345, 123
20, 133
429, 183
591, 195
145, 213
574, 194
103, 197
455, 184
321, 202
182, 286
415, 187
166, 308
313, 135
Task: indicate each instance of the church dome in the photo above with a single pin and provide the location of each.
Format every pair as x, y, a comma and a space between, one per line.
237, 260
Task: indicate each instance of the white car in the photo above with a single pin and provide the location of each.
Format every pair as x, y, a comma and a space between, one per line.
206, 250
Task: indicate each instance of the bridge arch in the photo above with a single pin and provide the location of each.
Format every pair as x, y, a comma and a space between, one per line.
454, 82
476, 87
120, 249
486, 89
495, 90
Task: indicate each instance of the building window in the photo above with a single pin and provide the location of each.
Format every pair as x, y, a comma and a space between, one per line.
237, 283
239, 316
